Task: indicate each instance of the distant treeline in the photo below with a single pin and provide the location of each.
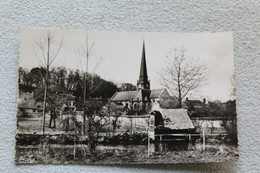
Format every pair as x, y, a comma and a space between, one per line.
64, 81
226, 110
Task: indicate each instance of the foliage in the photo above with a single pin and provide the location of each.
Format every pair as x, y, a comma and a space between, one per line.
127, 87
225, 111
98, 115
63, 81
169, 103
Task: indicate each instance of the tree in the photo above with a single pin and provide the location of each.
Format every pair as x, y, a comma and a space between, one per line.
89, 83
127, 87
25, 81
182, 75
98, 116
113, 111
46, 50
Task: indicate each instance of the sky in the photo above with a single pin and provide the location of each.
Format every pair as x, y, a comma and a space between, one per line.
118, 55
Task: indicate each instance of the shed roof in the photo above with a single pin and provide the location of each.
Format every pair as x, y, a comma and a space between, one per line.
179, 118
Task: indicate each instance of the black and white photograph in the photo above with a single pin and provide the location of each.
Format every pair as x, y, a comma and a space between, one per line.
93, 97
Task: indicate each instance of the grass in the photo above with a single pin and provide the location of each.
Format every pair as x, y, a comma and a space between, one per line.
133, 155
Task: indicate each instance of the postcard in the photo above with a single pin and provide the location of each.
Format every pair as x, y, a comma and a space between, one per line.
92, 97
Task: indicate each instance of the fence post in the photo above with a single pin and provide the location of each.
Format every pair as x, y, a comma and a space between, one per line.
148, 136
203, 139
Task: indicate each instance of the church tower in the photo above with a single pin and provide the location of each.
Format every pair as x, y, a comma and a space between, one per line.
143, 82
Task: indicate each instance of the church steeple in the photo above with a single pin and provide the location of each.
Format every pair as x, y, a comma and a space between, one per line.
143, 82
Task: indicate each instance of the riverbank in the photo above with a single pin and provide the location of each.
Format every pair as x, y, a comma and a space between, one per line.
131, 154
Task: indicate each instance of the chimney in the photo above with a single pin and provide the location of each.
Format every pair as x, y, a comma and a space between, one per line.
204, 101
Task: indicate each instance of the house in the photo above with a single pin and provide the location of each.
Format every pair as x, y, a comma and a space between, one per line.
196, 107
66, 102
27, 104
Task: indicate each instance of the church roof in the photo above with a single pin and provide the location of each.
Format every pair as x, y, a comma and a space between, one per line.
124, 96
143, 82
139, 95
179, 118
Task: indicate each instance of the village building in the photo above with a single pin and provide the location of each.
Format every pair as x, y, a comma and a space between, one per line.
195, 106
28, 106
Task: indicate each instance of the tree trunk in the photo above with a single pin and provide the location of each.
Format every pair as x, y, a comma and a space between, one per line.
84, 124
46, 86
51, 119
44, 109
91, 138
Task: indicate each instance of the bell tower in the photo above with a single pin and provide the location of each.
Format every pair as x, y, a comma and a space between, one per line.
143, 82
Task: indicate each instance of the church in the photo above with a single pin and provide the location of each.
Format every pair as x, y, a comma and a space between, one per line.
143, 99
156, 102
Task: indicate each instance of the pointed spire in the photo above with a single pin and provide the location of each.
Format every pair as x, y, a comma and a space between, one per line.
143, 82
143, 69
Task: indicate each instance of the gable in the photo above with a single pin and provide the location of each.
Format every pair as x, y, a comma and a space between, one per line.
164, 95
155, 93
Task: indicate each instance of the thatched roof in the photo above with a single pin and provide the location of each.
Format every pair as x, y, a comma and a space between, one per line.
179, 118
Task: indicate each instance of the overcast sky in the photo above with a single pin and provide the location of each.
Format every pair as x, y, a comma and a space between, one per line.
120, 54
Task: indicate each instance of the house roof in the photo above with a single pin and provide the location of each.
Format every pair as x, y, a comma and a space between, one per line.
179, 118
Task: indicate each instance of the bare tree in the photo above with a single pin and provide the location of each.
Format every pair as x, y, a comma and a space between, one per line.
183, 74
46, 50
87, 51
